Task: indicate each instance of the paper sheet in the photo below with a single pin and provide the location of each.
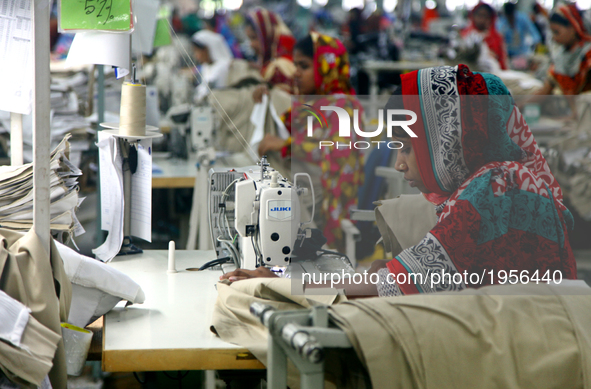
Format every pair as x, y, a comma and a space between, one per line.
281, 129
112, 199
141, 193
111, 181
142, 39
15, 317
162, 35
101, 48
16, 56
257, 117
152, 106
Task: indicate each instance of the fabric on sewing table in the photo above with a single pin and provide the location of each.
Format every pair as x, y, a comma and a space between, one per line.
97, 287
234, 323
37, 279
523, 336
404, 221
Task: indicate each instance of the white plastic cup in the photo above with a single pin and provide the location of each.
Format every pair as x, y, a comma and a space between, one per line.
77, 343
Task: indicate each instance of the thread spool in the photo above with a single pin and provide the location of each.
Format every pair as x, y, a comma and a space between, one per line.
132, 116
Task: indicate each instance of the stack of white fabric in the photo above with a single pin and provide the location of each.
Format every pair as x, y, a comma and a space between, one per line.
96, 287
16, 194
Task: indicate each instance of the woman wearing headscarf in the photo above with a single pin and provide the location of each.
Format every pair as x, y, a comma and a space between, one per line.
273, 44
499, 207
212, 51
570, 52
500, 214
482, 28
322, 79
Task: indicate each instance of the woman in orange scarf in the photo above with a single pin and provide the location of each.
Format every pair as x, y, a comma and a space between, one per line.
571, 54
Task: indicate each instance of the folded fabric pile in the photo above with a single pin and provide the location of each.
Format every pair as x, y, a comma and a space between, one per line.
37, 280
502, 336
40, 290
16, 194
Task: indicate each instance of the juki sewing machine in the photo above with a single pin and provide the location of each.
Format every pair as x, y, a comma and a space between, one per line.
255, 215
255, 219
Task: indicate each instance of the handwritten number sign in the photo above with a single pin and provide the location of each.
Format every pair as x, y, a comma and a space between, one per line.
112, 15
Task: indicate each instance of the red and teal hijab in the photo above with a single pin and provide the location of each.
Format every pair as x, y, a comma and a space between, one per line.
499, 206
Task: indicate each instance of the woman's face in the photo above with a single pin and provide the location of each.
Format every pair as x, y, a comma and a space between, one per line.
406, 163
482, 19
563, 35
254, 40
304, 75
201, 54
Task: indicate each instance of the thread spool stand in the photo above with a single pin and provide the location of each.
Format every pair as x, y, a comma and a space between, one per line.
131, 129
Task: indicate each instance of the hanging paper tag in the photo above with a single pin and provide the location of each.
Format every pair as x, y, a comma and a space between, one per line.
107, 15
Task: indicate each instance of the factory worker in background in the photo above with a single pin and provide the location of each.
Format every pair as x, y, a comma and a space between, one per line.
570, 52
482, 30
272, 42
215, 57
322, 64
520, 33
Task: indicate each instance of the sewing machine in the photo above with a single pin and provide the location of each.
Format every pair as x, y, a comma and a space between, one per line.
255, 215
202, 126
191, 129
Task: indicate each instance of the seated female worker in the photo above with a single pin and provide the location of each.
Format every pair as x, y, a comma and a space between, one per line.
272, 42
214, 55
499, 207
322, 79
570, 53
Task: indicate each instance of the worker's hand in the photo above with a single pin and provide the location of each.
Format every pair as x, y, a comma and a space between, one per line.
243, 274
259, 91
270, 143
377, 265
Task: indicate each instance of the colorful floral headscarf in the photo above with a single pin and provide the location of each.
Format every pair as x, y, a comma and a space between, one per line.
341, 169
331, 66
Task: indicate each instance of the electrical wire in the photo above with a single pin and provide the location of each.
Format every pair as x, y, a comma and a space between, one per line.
215, 262
233, 251
137, 377
178, 378
224, 225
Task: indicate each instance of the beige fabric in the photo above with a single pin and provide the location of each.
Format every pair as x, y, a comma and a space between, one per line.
404, 221
238, 105
525, 336
241, 70
31, 276
284, 65
30, 363
234, 323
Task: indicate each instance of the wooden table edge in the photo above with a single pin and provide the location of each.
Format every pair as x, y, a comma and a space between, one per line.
179, 359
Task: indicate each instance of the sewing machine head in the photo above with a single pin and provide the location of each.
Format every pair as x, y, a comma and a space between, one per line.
254, 215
